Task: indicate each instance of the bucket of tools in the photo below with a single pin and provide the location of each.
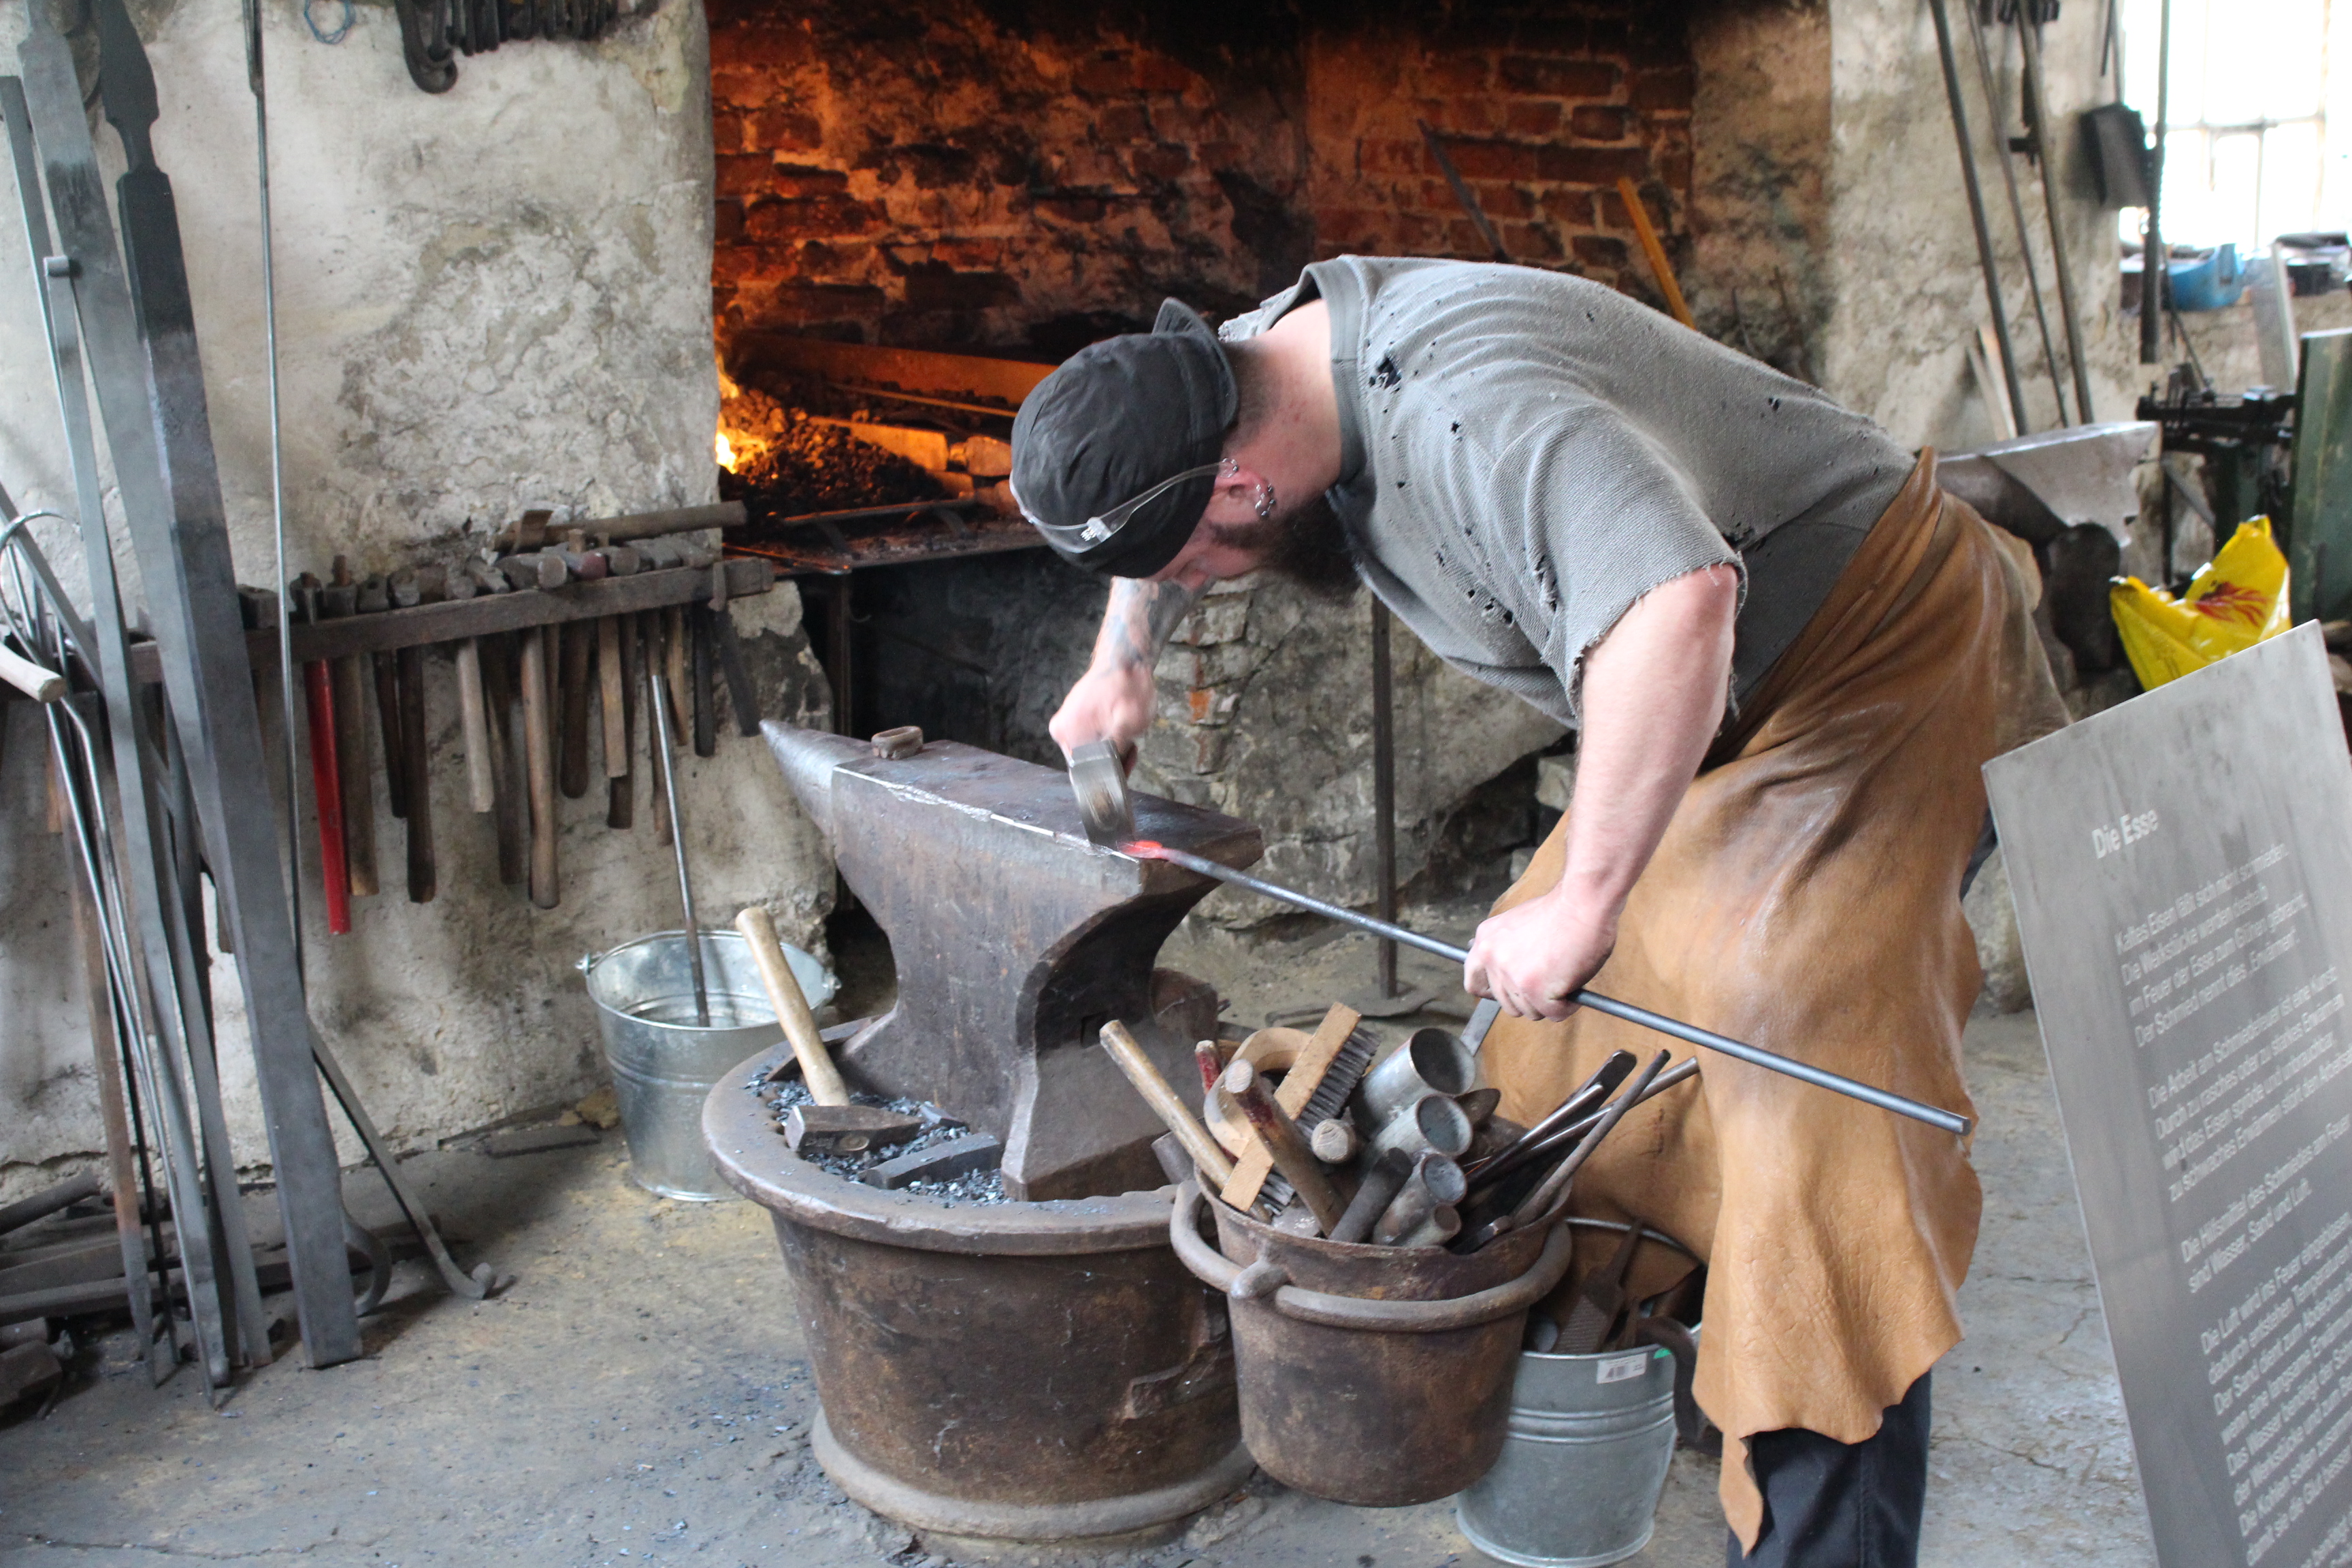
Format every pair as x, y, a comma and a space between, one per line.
1589, 1438
664, 1055
1373, 1375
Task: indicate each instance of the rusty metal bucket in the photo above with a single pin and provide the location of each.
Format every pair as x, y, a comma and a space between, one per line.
1028, 1371
1373, 1375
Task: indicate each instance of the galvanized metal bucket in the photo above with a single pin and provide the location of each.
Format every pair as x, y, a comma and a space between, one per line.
1585, 1461
664, 1063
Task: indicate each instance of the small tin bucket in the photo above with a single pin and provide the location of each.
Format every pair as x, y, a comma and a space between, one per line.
663, 1063
1584, 1464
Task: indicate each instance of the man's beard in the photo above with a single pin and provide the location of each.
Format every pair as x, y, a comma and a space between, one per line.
1306, 545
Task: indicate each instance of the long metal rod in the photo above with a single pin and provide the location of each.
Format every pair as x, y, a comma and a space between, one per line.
1690, 1034
1985, 257
667, 753
1384, 792
254, 79
2154, 261
1994, 105
2029, 34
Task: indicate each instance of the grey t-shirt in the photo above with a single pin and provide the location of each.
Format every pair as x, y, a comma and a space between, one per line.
1525, 454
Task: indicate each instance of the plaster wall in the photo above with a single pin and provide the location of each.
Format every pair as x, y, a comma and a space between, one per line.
490, 300
1899, 276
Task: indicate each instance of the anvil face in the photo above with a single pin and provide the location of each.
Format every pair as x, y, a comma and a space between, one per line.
1015, 941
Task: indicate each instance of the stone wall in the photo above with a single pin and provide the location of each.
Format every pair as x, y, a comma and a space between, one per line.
490, 300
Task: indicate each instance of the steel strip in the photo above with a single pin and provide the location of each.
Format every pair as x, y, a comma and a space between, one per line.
180, 535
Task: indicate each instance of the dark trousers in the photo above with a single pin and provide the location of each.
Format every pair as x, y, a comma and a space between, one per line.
1841, 1505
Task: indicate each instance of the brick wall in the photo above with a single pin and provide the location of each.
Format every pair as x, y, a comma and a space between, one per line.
1542, 110
964, 173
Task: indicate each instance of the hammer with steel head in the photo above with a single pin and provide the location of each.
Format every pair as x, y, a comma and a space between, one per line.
1098, 778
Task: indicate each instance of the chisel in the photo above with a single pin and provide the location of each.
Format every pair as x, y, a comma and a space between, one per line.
375, 596
577, 642
411, 588
612, 671
339, 599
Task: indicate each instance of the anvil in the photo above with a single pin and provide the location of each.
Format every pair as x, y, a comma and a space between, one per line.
1015, 940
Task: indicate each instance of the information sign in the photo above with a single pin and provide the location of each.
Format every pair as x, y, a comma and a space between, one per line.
2182, 868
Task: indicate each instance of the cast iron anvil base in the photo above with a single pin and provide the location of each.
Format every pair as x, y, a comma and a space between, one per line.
1015, 941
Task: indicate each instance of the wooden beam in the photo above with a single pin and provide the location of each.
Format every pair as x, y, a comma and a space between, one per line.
458, 619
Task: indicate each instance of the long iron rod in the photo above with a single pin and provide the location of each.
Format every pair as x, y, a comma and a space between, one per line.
2155, 259
254, 79
1385, 861
2029, 34
1690, 1034
665, 732
1985, 257
2017, 216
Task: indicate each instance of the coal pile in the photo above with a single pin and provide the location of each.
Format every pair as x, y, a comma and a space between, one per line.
790, 464
939, 1127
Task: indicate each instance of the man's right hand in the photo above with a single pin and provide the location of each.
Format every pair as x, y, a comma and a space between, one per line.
1110, 702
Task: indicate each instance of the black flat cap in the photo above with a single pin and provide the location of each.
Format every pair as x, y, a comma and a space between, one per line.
1117, 418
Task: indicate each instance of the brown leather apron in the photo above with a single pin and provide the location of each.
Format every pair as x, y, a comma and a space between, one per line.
1807, 898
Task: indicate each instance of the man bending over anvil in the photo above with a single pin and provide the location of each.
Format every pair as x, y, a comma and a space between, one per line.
1788, 652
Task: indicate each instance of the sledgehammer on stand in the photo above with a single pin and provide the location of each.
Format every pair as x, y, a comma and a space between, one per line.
1755, 1055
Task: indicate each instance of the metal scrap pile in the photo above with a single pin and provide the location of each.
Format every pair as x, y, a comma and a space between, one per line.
905, 1145
785, 462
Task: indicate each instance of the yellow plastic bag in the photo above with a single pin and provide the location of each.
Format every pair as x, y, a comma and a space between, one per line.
2237, 599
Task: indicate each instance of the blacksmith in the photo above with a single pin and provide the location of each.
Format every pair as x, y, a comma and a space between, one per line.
1787, 652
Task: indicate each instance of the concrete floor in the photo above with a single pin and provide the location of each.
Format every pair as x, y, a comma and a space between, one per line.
640, 1395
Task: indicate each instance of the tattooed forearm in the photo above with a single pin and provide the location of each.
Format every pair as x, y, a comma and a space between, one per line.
1138, 621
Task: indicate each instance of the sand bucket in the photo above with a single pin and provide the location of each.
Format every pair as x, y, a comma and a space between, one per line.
664, 1063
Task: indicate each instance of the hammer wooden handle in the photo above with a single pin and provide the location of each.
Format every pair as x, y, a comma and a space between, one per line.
1208, 1156
539, 766
824, 1079
1284, 1143
40, 684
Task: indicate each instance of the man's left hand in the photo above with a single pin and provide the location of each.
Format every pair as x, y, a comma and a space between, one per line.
1533, 958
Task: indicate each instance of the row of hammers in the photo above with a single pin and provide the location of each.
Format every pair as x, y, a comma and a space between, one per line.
544, 710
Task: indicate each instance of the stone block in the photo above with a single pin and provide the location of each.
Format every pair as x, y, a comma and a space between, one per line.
785, 131
1493, 159
1106, 74
1556, 780
1123, 122
1592, 165
1532, 117
1164, 161
1559, 79
1992, 920
1500, 201
1599, 122
801, 180
744, 174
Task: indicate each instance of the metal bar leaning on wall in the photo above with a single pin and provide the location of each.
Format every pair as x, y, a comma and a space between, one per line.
1985, 258
1993, 105
2029, 37
180, 535
154, 1022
